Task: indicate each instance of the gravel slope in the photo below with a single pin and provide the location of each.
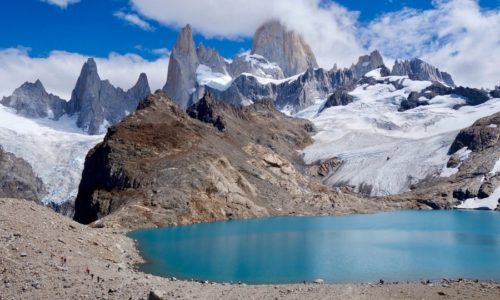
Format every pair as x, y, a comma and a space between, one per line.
34, 242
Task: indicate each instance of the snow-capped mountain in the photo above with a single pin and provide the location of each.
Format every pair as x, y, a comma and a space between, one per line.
54, 135
379, 131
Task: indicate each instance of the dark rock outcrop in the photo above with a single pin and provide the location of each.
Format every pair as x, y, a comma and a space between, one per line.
284, 47
32, 100
339, 97
161, 167
100, 104
181, 78
203, 110
17, 179
472, 96
495, 93
483, 134
417, 69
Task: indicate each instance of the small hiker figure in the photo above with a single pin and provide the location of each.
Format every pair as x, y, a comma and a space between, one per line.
87, 271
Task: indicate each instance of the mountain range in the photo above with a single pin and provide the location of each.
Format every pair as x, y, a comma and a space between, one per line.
226, 138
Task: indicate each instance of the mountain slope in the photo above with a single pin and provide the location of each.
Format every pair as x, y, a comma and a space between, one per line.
161, 166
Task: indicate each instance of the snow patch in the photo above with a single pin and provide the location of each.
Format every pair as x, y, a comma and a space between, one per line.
496, 168
205, 76
492, 126
487, 203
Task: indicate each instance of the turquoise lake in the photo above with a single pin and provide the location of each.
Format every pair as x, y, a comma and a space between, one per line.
394, 246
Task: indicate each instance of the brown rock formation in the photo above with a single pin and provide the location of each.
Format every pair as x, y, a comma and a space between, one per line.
162, 167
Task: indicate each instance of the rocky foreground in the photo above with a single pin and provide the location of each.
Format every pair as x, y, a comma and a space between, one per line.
44, 255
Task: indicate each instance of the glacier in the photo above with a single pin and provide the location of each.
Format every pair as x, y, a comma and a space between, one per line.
55, 149
385, 151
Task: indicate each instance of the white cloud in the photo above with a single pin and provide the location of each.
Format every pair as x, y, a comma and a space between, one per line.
134, 20
456, 36
329, 28
61, 3
59, 70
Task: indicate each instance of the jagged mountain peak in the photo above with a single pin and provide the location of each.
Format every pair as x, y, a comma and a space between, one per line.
285, 47
418, 69
181, 77
367, 63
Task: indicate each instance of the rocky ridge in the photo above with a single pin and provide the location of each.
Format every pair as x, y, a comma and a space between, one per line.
161, 167
98, 103
417, 69
31, 100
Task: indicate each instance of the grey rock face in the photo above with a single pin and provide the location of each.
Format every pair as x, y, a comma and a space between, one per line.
211, 58
181, 78
32, 101
17, 179
367, 63
293, 95
256, 65
100, 104
418, 69
339, 97
286, 48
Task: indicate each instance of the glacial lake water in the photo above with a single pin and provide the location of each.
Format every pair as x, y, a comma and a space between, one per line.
394, 246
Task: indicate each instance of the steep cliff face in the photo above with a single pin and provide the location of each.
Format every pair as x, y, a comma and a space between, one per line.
32, 100
161, 167
181, 78
284, 47
418, 69
98, 103
17, 179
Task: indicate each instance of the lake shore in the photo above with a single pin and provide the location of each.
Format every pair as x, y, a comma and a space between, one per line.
44, 255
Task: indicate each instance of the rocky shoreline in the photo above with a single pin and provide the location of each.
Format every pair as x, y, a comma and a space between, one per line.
44, 255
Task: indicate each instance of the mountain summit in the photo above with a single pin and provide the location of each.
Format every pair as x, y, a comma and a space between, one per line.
181, 78
284, 47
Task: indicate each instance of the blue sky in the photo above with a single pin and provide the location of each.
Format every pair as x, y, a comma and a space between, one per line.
50, 39
90, 27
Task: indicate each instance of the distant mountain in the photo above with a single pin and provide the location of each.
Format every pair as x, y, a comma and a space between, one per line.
418, 69
32, 101
99, 104
276, 53
96, 103
284, 47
